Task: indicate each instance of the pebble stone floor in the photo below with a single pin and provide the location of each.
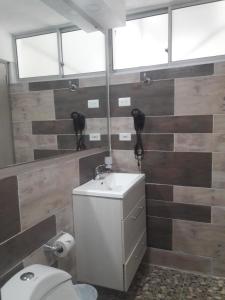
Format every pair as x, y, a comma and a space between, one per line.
157, 283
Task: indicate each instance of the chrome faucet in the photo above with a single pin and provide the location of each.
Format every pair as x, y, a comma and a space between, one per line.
99, 172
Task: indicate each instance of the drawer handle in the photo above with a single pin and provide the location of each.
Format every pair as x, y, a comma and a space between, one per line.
140, 208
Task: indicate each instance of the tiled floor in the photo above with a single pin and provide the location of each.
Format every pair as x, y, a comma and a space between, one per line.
156, 283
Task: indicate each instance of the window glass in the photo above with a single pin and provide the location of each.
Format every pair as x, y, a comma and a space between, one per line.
199, 31
83, 52
38, 56
141, 42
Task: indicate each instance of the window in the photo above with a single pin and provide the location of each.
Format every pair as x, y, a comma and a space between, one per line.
83, 52
199, 31
38, 56
142, 42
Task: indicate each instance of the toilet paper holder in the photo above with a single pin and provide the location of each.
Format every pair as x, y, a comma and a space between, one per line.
60, 245
52, 248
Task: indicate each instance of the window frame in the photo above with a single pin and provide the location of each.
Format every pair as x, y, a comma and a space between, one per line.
61, 75
109, 46
78, 75
171, 64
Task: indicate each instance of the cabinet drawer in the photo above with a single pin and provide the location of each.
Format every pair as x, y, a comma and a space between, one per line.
133, 226
134, 261
136, 193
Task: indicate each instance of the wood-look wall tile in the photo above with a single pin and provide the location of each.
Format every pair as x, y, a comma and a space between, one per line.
68, 141
20, 246
163, 142
178, 168
22, 133
88, 164
122, 124
114, 79
150, 142
198, 238
178, 260
65, 219
25, 142
218, 263
44, 191
218, 170
122, 145
179, 124
53, 127
218, 142
219, 68
155, 99
94, 125
124, 161
9, 208
219, 124
218, 215
124, 78
44, 141
66, 102
92, 81
33, 106
180, 72
48, 153
24, 154
200, 96
16, 88
52, 85
39, 256
198, 195
171, 210
159, 233
193, 142
159, 192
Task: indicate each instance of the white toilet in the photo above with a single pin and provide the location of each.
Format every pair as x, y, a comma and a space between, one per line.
38, 282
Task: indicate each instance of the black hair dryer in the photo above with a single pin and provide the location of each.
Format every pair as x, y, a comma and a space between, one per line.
79, 126
139, 123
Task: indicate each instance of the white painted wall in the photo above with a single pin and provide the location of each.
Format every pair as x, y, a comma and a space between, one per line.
6, 49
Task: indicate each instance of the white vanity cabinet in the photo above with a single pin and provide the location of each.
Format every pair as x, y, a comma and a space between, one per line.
110, 230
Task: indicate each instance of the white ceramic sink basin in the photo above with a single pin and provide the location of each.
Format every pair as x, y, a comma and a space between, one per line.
114, 185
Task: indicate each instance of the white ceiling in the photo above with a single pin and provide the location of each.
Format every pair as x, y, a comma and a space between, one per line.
18, 16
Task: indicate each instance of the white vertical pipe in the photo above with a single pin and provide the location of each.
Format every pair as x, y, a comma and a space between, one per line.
170, 33
107, 58
60, 54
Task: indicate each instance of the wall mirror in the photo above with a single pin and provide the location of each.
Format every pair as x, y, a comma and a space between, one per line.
49, 69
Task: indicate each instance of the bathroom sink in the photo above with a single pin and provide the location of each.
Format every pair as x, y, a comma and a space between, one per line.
113, 185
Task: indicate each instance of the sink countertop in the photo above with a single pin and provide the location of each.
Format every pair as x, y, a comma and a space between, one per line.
114, 185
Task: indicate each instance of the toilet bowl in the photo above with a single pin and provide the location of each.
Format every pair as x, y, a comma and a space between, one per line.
38, 282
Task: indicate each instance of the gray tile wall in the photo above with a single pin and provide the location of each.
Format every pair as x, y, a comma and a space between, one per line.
184, 162
35, 205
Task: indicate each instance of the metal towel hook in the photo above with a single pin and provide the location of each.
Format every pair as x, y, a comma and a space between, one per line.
73, 87
146, 79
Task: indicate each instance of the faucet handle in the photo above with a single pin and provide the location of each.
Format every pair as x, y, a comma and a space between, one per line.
99, 171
